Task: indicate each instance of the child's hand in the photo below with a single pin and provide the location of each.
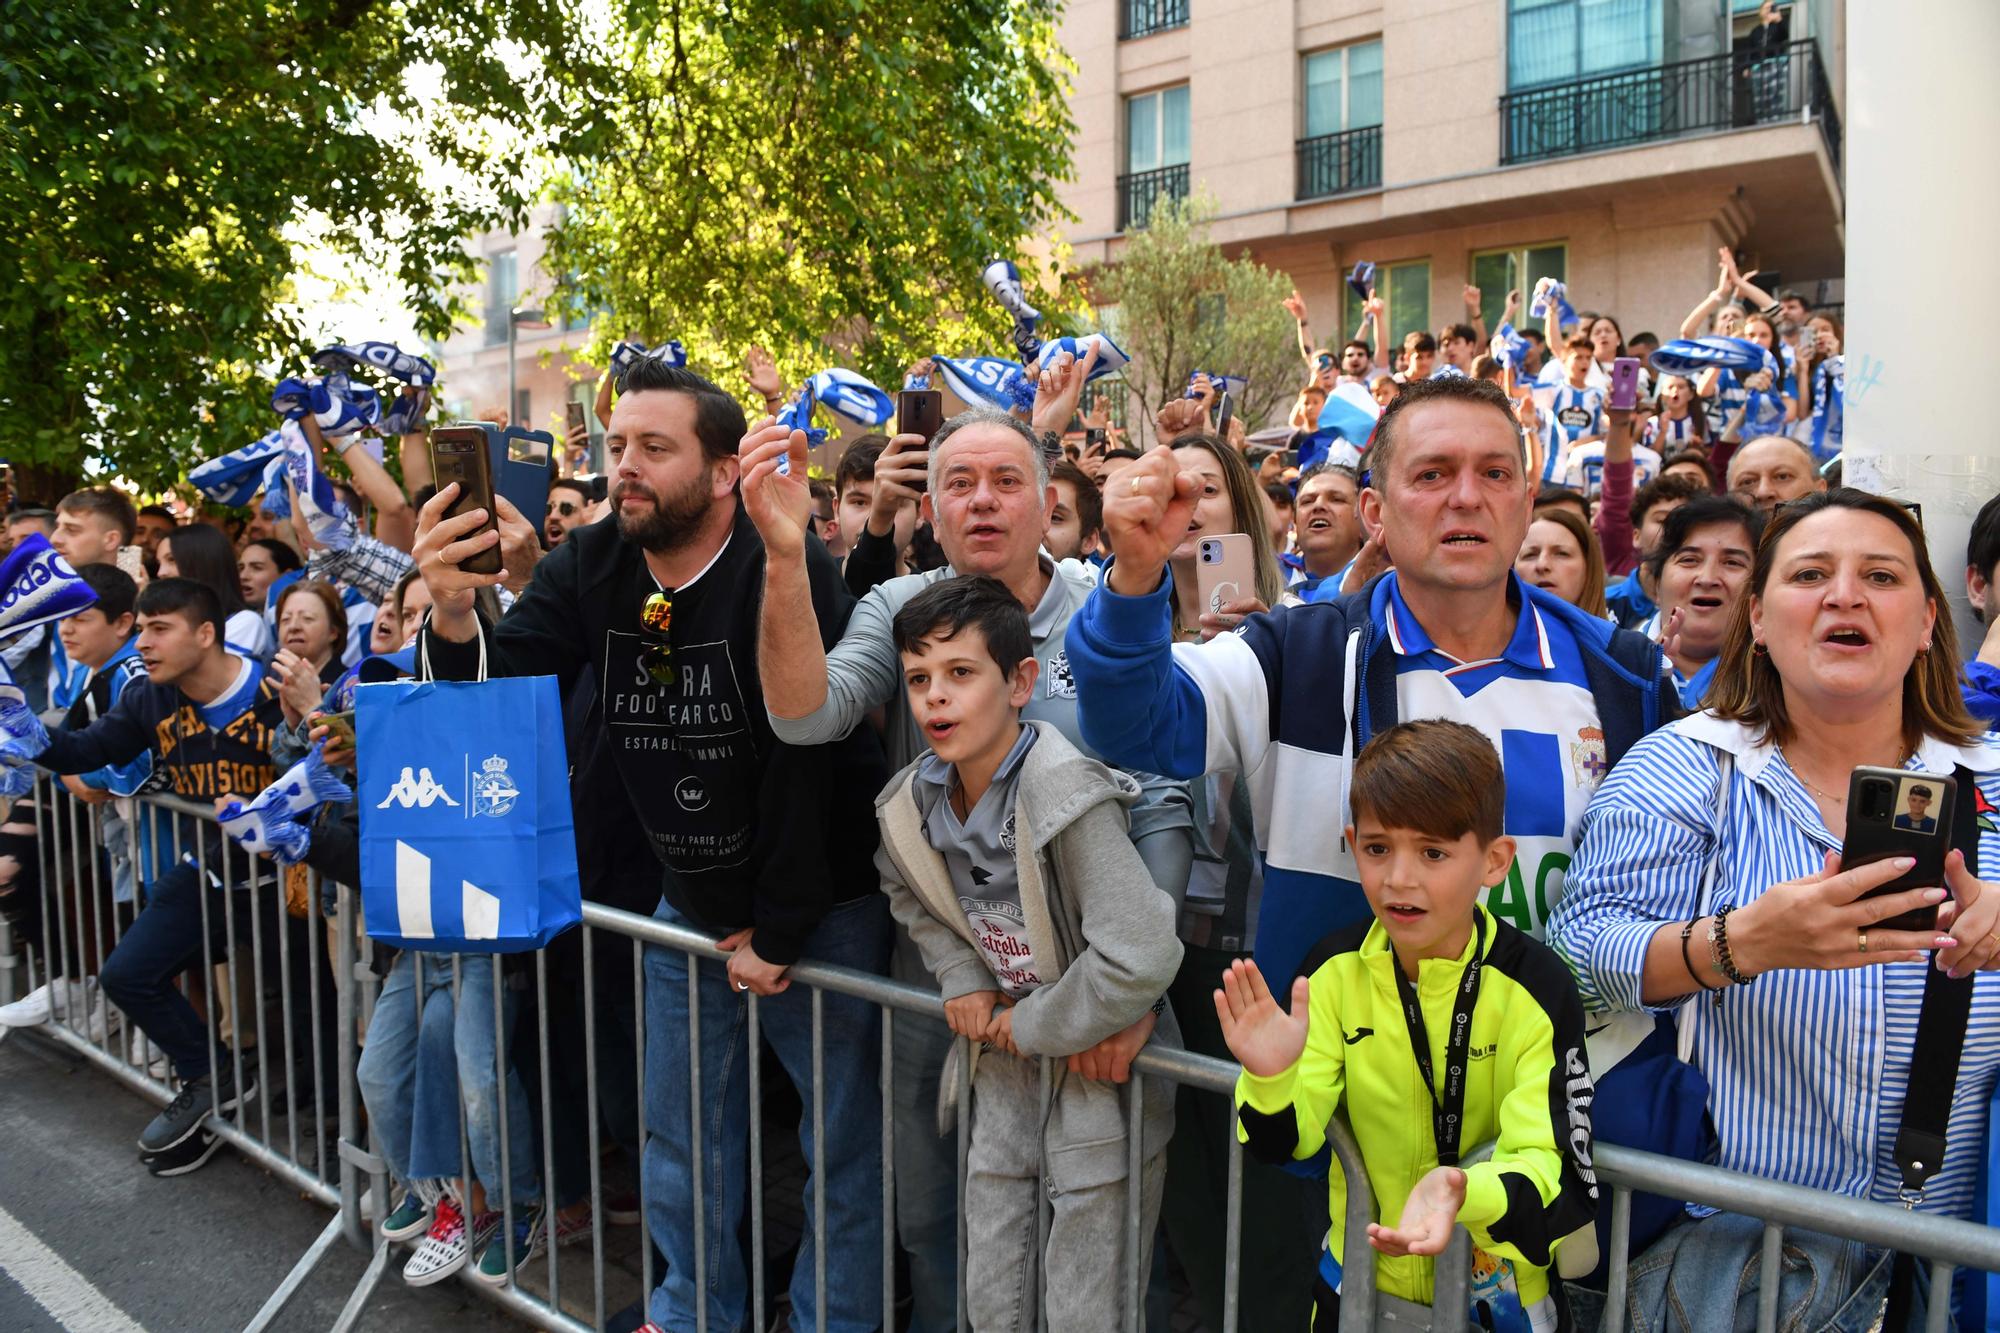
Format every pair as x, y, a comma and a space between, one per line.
971, 1015
1000, 1032
1260, 1034
1110, 1061
1428, 1216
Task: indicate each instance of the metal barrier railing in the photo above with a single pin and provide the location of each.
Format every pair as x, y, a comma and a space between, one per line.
345, 1171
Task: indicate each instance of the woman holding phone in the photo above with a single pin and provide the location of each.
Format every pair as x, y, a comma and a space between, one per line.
1230, 501
1709, 865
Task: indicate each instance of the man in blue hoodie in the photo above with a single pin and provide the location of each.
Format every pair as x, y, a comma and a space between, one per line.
1291, 696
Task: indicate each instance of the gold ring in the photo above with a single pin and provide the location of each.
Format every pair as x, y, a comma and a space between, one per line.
1134, 487
1862, 937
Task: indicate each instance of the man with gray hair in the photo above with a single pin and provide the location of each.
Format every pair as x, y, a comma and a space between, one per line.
988, 497
1771, 470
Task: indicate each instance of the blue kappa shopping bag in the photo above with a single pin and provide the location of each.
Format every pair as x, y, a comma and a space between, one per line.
467, 843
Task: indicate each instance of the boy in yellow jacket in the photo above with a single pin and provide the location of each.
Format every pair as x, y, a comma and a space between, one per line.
1437, 1028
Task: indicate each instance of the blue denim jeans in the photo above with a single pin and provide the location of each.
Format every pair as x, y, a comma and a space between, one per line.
1702, 1277
855, 935
420, 1059
165, 940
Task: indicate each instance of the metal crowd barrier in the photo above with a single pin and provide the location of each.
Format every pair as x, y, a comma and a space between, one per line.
341, 1169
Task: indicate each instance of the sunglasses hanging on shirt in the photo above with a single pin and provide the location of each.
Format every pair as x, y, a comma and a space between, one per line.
656, 617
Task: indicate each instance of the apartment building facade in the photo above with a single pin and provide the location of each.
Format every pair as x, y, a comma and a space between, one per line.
1614, 144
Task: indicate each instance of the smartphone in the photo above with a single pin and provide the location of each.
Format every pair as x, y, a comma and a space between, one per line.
340, 727
1225, 570
132, 563
919, 412
1222, 417
1897, 812
1624, 395
1094, 437
576, 417
458, 454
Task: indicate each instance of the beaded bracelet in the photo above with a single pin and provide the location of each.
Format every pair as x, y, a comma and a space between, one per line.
1687, 962
1718, 947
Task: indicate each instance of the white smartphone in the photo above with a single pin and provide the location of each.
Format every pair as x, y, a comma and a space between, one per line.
1225, 570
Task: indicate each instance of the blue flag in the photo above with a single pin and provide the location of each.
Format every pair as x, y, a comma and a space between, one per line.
237, 476
1349, 414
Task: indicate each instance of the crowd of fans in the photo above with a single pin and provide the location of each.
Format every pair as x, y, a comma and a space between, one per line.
1530, 706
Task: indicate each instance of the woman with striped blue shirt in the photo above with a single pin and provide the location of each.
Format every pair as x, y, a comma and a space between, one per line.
1708, 865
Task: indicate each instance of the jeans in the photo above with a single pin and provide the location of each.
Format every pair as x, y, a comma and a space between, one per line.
852, 935
418, 1065
164, 941
1826, 1284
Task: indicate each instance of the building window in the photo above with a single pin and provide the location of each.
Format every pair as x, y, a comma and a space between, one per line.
1555, 41
1406, 289
1156, 153
502, 290
1143, 18
1497, 272
1343, 89
1342, 147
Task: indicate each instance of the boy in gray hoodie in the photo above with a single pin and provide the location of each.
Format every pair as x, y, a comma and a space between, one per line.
1005, 853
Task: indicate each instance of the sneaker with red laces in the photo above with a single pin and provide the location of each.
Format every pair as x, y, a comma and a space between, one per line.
445, 1247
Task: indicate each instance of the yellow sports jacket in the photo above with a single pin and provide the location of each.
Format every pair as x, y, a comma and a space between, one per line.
1527, 1089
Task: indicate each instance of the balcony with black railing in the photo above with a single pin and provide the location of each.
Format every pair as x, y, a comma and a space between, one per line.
1143, 18
1691, 97
1139, 191
1340, 163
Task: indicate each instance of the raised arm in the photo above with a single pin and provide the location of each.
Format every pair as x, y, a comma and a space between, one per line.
1697, 318
1613, 522
1295, 305
1473, 317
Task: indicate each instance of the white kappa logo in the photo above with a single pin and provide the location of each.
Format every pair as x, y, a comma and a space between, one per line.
416, 791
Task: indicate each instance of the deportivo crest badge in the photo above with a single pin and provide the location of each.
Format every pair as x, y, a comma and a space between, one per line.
493, 792
1588, 755
1062, 685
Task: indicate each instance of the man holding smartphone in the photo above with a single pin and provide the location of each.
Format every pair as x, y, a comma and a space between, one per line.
988, 495
769, 844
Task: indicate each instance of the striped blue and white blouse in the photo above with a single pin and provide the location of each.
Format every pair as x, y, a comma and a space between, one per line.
1807, 1069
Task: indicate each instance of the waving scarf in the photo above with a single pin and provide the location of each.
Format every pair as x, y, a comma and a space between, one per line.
629, 354
341, 406
349, 358
235, 478
988, 379
1110, 360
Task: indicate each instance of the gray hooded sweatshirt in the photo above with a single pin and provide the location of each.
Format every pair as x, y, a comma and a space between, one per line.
1102, 933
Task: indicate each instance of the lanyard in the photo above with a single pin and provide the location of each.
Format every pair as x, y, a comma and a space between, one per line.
1446, 1113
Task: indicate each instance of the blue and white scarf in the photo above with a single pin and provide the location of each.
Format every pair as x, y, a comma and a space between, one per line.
1004, 281
349, 358
269, 822
406, 412
337, 403
235, 478
628, 354
841, 390
1110, 360
988, 379
1509, 348
1362, 280
798, 415
1548, 292
325, 515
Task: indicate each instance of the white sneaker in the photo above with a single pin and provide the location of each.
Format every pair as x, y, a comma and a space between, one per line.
101, 1016
31, 1010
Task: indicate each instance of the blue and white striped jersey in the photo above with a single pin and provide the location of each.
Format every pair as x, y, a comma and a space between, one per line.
1807, 1070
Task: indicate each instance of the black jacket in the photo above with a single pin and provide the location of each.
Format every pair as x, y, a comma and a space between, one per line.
751, 832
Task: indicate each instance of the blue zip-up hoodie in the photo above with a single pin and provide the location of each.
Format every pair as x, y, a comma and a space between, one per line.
1276, 708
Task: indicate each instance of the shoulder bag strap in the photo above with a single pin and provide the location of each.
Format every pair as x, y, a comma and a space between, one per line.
1684, 1017
1920, 1140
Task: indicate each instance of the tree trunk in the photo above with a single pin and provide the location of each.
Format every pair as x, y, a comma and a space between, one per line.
43, 484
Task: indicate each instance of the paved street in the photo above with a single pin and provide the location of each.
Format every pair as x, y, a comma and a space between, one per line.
89, 1241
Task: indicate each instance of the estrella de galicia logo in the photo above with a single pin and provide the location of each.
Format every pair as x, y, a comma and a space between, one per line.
692, 793
493, 792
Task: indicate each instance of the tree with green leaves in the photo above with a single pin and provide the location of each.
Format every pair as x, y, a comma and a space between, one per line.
824, 178
156, 159
1184, 305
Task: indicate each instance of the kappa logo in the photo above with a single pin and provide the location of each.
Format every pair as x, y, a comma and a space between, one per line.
691, 794
493, 792
416, 791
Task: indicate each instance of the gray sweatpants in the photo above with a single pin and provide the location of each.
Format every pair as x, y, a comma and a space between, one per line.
1085, 1268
